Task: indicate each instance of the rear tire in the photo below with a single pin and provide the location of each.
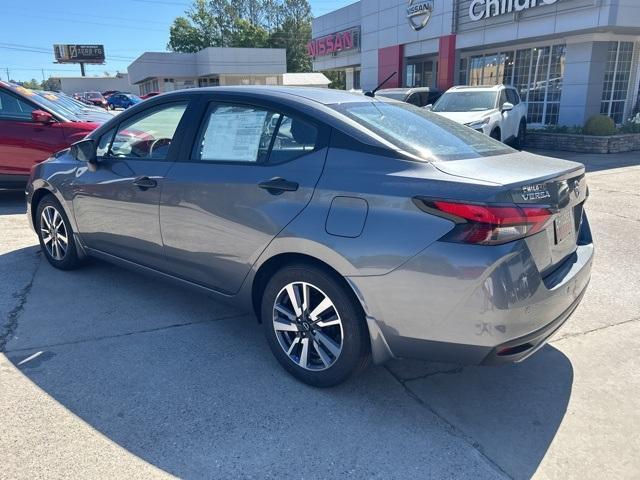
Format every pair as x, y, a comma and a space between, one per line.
321, 341
56, 235
522, 134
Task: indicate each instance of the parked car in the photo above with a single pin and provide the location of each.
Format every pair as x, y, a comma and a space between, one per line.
78, 109
106, 94
123, 100
95, 98
496, 111
32, 128
418, 96
351, 233
149, 95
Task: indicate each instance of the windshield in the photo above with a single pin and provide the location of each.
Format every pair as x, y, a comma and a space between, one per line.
420, 132
393, 95
48, 100
94, 95
465, 102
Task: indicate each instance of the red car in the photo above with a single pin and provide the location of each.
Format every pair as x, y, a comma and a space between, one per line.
32, 128
149, 95
95, 98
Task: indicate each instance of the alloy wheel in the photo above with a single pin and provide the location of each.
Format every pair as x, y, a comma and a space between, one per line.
308, 326
54, 233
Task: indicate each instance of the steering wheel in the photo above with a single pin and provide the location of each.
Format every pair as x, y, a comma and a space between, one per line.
160, 142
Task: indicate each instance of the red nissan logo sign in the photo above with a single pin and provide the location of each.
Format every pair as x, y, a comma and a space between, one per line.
336, 42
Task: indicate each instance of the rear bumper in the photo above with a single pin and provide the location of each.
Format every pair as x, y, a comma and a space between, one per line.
473, 304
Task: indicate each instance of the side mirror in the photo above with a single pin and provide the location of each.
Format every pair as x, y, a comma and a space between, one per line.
428, 107
40, 116
84, 150
507, 106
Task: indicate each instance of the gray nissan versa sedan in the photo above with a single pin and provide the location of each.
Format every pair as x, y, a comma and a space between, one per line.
355, 227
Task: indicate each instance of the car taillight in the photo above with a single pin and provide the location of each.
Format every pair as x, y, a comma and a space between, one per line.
487, 224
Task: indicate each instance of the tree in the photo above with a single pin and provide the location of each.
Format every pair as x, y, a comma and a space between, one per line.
246, 23
51, 85
294, 34
32, 84
338, 79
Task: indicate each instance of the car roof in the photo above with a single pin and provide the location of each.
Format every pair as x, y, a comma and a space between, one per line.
323, 96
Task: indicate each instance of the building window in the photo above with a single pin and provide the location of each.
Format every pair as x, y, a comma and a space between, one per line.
537, 73
421, 73
356, 79
616, 80
462, 72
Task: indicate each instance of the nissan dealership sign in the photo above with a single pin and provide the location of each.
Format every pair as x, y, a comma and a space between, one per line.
479, 9
335, 43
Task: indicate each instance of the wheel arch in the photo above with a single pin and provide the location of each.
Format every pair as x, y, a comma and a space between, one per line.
276, 262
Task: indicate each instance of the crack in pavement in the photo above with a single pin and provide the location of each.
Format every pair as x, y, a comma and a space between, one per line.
614, 215
448, 426
127, 334
11, 324
594, 330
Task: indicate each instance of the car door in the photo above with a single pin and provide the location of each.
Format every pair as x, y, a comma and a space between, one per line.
519, 107
23, 142
116, 202
509, 123
252, 169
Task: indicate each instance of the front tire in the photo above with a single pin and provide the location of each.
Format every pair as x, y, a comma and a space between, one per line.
56, 235
314, 326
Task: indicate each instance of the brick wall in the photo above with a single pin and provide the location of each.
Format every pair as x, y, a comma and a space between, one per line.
583, 143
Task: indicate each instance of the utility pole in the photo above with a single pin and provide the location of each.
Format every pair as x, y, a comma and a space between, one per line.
43, 75
8, 79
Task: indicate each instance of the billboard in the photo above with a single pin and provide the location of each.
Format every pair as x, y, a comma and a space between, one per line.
78, 53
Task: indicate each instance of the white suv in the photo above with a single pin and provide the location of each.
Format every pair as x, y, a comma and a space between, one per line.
496, 111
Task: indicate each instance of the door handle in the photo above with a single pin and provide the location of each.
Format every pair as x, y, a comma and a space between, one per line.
145, 182
278, 185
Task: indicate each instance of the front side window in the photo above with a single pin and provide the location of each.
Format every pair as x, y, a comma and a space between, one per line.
149, 134
512, 96
239, 133
465, 101
12, 107
236, 133
420, 132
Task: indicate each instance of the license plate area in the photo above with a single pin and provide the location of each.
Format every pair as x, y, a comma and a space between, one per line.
564, 226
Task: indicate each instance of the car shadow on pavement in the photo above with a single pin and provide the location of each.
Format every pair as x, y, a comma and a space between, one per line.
12, 202
190, 386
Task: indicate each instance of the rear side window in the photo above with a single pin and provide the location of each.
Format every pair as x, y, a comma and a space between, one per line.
12, 107
512, 96
294, 138
246, 134
149, 134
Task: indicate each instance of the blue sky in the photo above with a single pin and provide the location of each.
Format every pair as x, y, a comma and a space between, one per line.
125, 27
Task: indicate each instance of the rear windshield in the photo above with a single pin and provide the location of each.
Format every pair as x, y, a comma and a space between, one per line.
420, 132
465, 102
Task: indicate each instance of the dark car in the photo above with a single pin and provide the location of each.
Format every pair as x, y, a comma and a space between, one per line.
350, 232
32, 127
122, 100
95, 98
418, 96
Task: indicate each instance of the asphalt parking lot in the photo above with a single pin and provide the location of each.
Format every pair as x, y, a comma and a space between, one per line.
108, 373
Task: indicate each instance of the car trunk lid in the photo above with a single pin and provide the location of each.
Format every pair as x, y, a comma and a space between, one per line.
532, 180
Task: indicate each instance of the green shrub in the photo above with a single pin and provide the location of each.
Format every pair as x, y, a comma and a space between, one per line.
600, 125
630, 127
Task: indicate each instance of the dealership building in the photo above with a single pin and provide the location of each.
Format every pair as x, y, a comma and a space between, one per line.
217, 66
570, 59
